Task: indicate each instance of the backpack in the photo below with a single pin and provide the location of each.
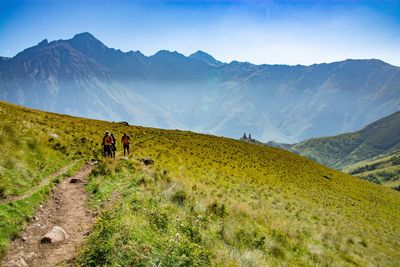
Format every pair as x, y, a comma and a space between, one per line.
107, 140
125, 140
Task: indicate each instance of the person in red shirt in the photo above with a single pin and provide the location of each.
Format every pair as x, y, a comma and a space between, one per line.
125, 142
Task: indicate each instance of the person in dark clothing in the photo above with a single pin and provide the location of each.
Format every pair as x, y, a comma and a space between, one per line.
125, 142
107, 142
113, 145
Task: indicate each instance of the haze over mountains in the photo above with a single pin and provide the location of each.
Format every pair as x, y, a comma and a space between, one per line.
83, 77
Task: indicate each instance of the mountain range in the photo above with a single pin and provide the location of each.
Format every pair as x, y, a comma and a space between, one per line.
82, 76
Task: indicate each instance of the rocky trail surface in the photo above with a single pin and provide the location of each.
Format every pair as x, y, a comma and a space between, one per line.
65, 218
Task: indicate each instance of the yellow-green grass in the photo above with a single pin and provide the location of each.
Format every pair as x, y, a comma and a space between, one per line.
216, 201
392, 184
384, 169
390, 169
379, 159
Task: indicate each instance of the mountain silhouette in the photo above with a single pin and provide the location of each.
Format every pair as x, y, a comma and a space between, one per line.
82, 76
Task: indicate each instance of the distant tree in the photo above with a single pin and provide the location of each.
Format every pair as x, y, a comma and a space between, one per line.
244, 136
250, 137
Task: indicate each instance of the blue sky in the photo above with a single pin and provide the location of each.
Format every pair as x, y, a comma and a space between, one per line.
273, 32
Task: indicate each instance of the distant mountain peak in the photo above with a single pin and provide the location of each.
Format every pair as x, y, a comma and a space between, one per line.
167, 52
200, 53
87, 39
207, 58
87, 43
43, 42
84, 36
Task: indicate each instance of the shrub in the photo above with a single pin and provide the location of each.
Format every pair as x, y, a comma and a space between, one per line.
185, 253
191, 231
158, 220
217, 209
277, 252
99, 248
101, 169
250, 239
143, 179
2, 192
179, 197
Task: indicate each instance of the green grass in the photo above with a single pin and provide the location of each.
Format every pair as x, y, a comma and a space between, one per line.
379, 138
14, 215
216, 201
381, 170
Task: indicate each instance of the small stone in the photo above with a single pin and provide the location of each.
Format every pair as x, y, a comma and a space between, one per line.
57, 234
148, 161
24, 238
54, 135
75, 181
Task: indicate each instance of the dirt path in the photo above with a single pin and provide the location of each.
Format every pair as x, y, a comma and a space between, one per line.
66, 208
41, 184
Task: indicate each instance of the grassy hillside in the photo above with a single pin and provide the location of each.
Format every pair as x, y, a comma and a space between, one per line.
215, 201
378, 138
381, 170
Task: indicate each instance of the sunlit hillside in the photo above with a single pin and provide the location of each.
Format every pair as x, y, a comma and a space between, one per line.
205, 201
381, 170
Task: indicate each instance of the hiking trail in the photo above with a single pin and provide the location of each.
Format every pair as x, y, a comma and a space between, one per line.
67, 208
42, 183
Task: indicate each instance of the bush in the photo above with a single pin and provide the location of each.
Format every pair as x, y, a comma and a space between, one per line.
185, 253
158, 220
250, 239
179, 197
2, 192
99, 248
277, 252
101, 169
191, 231
217, 209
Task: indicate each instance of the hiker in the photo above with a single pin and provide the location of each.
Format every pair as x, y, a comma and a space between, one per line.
107, 141
125, 142
113, 145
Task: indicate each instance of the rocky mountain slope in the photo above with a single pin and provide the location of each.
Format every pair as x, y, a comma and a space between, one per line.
82, 76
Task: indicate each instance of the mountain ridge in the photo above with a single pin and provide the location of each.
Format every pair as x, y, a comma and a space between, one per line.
378, 138
274, 102
372, 153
